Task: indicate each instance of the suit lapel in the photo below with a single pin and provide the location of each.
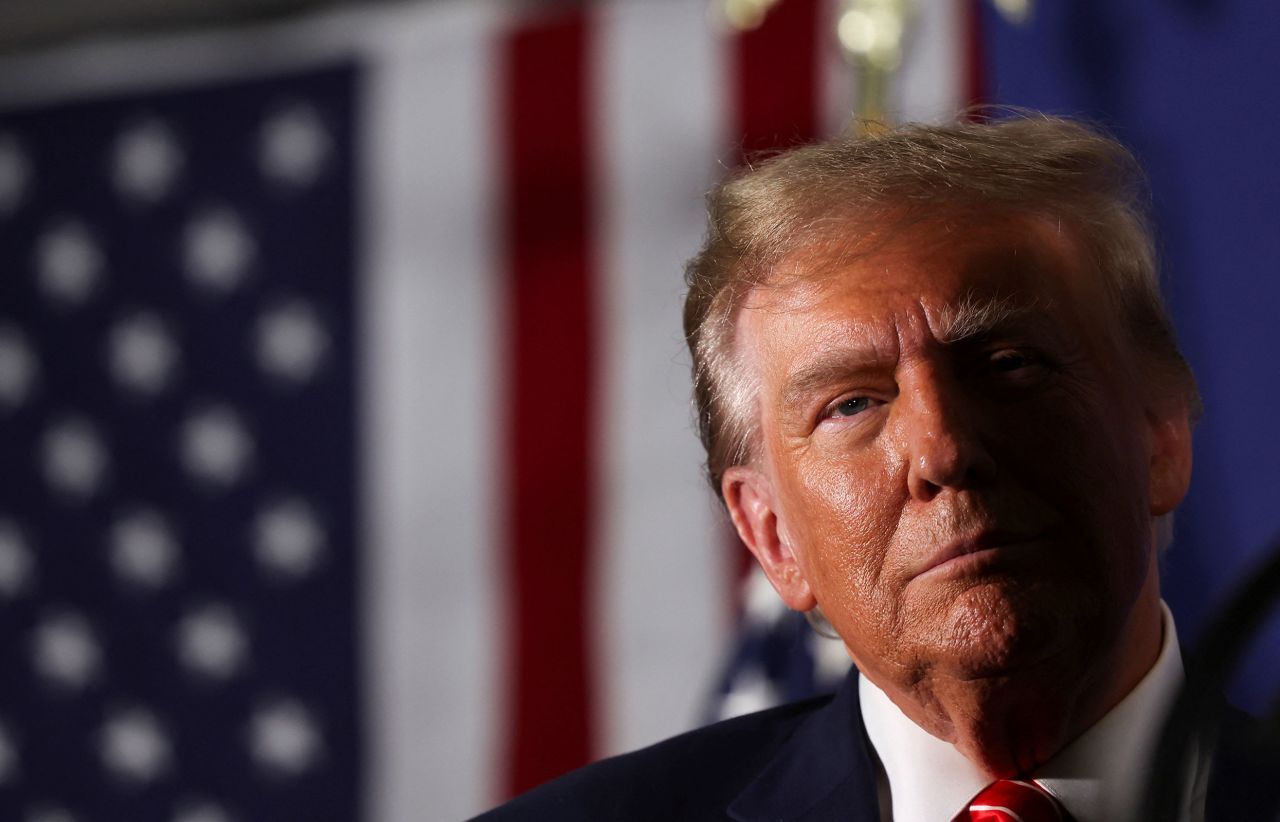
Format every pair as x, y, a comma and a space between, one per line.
823, 772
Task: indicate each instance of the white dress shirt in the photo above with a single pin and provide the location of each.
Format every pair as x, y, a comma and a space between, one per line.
1098, 777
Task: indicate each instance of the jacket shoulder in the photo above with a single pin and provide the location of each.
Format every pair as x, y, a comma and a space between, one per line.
691, 776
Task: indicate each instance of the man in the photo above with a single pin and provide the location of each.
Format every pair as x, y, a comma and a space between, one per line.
945, 409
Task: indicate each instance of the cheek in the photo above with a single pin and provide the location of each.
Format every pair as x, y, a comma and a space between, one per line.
1084, 455
846, 510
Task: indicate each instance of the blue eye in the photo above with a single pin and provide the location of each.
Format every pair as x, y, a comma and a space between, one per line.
850, 407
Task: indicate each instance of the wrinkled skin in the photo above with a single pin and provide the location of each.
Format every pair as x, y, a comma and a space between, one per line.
971, 507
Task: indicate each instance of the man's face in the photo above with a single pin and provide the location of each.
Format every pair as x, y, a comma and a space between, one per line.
954, 461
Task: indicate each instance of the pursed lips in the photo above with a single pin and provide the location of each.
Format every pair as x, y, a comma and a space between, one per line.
992, 540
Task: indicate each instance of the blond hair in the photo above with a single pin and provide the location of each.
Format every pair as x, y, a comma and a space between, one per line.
887, 178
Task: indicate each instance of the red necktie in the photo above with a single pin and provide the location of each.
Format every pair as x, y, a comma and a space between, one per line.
1014, 800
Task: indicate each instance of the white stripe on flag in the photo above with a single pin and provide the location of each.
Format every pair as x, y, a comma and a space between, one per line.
660, 592
111, 64
432, 321
931, 85
836, 83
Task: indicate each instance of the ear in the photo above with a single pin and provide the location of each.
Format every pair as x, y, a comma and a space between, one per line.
748, 493
1169, 470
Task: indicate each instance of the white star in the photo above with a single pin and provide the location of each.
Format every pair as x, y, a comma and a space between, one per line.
283, 738
17, 367
291, 341
74, 458
200, 812
142, 353
751, 692
144, 551
48, 814
10, 762
288, 538
16, 563
211, 642
217, 249
216, 447
133, 746
146, 161
293, 146
69, 263
15, 173
65, 651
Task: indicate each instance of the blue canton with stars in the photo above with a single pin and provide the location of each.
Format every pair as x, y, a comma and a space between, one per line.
177, 433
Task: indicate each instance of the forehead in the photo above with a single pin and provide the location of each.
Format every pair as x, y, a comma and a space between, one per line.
927, 281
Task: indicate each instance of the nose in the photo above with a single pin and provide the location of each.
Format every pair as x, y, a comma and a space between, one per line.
941, 438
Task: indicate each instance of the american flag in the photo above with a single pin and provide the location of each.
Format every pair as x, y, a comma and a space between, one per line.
349, 465
178, 535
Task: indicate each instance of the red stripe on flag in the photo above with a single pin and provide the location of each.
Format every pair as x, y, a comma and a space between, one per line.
548, 422
777, 71
776, 104
975, 53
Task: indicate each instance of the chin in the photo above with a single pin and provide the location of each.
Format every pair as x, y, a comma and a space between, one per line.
990, 632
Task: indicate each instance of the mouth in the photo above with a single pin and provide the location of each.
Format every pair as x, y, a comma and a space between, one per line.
977, 550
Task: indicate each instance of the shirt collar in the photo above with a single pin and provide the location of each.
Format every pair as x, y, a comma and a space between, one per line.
1097, 777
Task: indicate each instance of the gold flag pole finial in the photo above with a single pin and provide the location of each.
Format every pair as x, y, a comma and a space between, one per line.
872, 35
743, 15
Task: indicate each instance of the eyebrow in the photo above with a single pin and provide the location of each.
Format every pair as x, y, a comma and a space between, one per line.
836, 366
983, 315
973, 317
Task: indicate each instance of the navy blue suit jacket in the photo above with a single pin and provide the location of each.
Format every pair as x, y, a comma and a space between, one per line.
806, 761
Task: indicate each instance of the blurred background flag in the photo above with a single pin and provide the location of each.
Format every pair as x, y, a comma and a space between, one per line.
179, 542
349, 466
351, 471
345, 399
